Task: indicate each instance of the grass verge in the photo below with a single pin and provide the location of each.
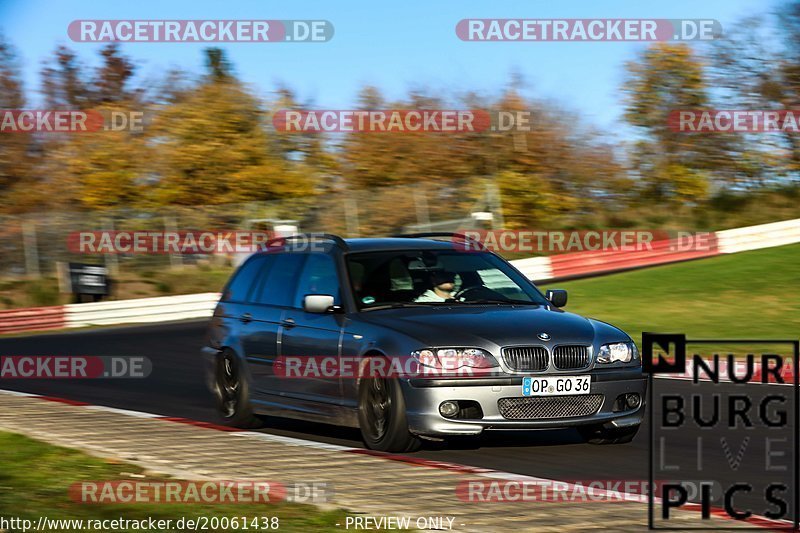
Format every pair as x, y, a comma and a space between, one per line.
35, 478
751, 294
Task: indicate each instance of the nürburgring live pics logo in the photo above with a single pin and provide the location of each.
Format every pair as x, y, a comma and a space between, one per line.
725, 420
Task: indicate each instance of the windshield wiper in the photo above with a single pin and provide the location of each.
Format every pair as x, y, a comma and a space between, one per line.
495, 301
400, 305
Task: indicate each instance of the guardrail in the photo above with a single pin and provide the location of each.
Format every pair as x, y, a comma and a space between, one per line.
761, 236
141, 310
32, 319
591, 263
539, 269
535, 268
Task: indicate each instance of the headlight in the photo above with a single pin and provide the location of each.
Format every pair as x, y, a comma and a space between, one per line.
454, 358
624, 352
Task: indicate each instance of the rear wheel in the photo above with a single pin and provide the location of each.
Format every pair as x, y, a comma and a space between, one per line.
230, 390
602, 435
382, 416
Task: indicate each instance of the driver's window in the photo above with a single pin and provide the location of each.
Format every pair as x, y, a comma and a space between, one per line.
319, 277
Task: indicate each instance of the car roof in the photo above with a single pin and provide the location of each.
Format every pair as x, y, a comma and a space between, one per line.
379, 244
396, 243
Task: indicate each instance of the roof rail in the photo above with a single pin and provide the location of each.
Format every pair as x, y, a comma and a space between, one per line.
453, 236
338, 241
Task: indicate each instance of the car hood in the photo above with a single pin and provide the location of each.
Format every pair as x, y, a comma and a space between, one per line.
498, 325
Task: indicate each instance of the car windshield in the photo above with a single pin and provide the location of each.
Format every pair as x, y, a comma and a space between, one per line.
411, 278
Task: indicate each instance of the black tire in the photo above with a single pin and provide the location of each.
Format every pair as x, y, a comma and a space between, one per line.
230, 391
601, 435
382, 416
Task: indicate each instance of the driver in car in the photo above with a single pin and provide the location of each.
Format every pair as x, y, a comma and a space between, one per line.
443, 286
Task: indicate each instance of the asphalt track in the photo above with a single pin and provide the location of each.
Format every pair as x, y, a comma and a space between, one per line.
176, 388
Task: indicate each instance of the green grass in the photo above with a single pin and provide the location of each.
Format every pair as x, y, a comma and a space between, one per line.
750, 294
35, 478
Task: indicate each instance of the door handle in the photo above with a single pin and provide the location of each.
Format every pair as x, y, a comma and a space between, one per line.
245, 318
288, 323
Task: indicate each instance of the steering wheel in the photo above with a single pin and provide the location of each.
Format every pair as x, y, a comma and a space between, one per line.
466, 290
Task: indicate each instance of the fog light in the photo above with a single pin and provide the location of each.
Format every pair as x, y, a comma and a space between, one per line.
633, 400
448, 409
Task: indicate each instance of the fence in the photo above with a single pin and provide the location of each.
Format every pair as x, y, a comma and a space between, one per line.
541, 269
32, 244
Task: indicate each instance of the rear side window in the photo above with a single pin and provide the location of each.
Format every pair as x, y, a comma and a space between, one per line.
261, 276
276, 286
238, 288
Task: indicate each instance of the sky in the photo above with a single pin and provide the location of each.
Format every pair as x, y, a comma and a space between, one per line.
395, 46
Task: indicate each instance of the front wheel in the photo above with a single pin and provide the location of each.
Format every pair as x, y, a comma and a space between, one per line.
230, 390
602, 435
382, 416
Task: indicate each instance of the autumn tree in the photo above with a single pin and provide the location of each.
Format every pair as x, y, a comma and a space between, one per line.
550, 169
211, 146
100, 169
311, 151
112, 80
64, 83
756, 65
666, 78
17, 150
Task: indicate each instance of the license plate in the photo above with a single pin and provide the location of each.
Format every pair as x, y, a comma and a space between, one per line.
556, 385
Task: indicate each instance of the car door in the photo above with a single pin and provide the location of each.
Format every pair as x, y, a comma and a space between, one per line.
310, 339
236, 309
272, 294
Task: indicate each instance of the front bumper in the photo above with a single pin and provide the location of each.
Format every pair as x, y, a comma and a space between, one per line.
423, 396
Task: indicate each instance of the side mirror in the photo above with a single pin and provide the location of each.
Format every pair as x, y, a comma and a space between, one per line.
557, 297
318, 303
